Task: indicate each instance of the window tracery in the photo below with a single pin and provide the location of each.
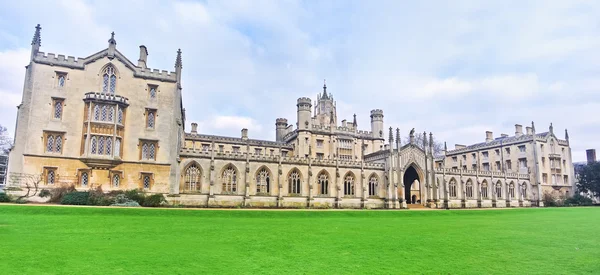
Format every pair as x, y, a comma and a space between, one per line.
373, 182
294, 182
263, 181
109, 80
192, 178
323, 182
349, 185
229, 180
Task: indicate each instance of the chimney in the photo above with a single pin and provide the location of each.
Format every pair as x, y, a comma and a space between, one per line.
529, 130
459, 146
344, 124
591, 155
489, 136
518, 130
194, 128
143, 57
245, 134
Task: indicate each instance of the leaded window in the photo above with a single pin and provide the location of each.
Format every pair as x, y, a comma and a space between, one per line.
469, 189
263, 181
349, 185
150, 120
229, 180
152, 92
452, 188
118, 147
96, 112
146, 182
50, 177
192, 178
373, 186
109, 80
104, 113
58, 144
50, 144
111, 113
93, 145
524, 190
116, 180
145, 151
101, 146
108, 146
61, 81
323, 182
120, 116
511, 190
84, 179
294, 182
58, 108
151, 151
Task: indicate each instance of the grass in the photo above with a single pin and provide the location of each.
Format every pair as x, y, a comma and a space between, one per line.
82, 240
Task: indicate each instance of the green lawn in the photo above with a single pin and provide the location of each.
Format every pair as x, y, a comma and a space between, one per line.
74, 240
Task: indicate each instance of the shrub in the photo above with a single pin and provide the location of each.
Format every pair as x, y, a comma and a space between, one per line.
122, 200
44, 193
135, 195
553, 200
21, 201
57, 194
578, 200
99, 198
155, 200
76, 198
5, 197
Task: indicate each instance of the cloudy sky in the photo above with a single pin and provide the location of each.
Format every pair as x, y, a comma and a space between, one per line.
455, 68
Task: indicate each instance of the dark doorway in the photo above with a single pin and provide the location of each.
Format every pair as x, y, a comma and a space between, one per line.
414, 199
410, 175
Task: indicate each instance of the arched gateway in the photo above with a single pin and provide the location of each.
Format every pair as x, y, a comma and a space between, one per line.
413, 182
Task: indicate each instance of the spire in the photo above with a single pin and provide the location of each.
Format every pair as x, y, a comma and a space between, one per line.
325, 90
430, 139
354, 122
566, 135
424, 139
391, 136
533, 127
178, 63
398, 137
551, 128
37, 39
112, 40
445, 148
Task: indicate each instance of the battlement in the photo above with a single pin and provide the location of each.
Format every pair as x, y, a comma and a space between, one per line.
106, 97
281, 121
494, 174
59, 60
304, 100
376, 113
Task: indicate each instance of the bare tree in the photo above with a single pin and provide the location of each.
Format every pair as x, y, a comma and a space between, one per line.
438, 147
30, 182
5, 140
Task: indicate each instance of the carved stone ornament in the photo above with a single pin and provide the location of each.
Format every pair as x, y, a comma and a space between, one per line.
247, 169
280, 171
212, 167
310, 174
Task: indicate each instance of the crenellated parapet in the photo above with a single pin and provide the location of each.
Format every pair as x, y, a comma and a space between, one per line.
376, 114
495, 174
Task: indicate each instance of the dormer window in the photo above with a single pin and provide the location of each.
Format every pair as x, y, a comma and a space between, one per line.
109, 80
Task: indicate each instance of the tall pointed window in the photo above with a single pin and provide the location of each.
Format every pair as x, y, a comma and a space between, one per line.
192, 178
349, 185
50, 144
511, 190
100, 145
323, 182
294, 182
469, 189
108, 146
111, 113
150, 118
109, 80
84, 179
120, 116
94, 145
116, 180
498, 190
484, 190
373, 186
452, 188
58, 144
58, 108
53, 142
61, 79
152, 91
229, 178
104, 113
146, 182
50, 176
263, 181
97, 112
524, 190
151, 151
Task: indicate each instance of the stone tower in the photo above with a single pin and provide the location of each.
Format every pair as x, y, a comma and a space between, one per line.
281, 125
325, 111
377, 123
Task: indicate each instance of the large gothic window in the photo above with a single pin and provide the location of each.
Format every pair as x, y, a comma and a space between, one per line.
452, 188
524, 190
263, 181
192, 178
498, 190
373, 186
323, 183
511, 190
294, 182
111, 113
349, 185
229, 180
109, 80
484, 190
469, 189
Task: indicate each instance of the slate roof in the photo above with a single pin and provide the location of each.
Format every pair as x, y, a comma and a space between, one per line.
498, 141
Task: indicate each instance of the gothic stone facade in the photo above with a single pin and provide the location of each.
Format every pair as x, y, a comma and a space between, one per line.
104, 121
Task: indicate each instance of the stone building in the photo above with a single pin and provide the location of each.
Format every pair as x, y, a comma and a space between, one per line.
104, 121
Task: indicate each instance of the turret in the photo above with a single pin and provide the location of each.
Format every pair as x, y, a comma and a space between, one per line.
36, 43
178, 67
281, 125
112, 45
143, 57
377, 123
304, 111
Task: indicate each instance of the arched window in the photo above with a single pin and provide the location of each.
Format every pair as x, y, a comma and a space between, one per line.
84, 179
294, 182
323, 182
93, 145
58, 142
498, 190
192, 178
116, 180
263, 181
109, 80
469, 189
58, 109
524, 190
50, 144
349, 185
61, 81
50, 177
96, 112
111, 113
452, 188
151, 151
101, 146
146, 182
108, 146
145, 151
229, 180
484, 190
511, 190
118, 147
152, 92
120, 116
150, 121
373, 186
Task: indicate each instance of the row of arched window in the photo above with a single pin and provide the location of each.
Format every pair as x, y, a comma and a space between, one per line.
469, 193
229, 181
103, 145
104, 112
84, 179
